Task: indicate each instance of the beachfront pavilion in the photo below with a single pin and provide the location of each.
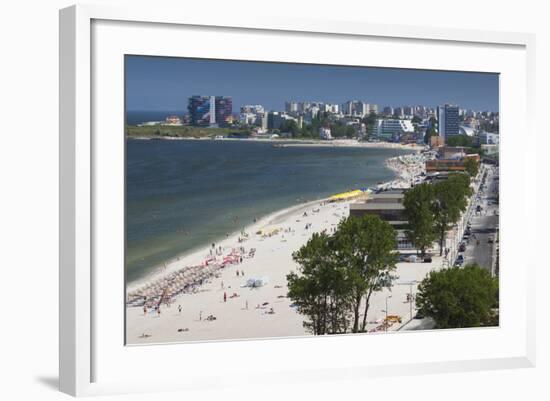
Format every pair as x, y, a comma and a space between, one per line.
388, 205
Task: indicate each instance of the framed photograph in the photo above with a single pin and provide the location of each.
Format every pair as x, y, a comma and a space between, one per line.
286, 199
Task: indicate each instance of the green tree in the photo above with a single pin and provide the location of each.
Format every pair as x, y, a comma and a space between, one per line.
418, 204
471, 166
457, 298
290, 126
450, 201
431, 130
459, 140
365, 246
370, 122
416, 120
321, 290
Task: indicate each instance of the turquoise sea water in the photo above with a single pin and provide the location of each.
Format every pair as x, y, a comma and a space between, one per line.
184, 194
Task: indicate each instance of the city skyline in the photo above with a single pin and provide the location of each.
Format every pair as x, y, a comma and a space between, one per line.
165, 84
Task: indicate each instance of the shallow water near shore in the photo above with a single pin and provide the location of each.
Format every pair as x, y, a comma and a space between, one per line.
181, 195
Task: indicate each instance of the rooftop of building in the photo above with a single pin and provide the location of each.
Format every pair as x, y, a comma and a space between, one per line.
377, 206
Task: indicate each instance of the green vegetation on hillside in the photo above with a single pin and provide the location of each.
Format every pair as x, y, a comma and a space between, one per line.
154, 131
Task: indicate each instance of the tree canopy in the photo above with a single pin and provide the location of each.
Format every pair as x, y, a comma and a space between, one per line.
418, 204
457, 298
431, 130
365, 246
451, 199
471, 166
322, 289
459, 140
339, 273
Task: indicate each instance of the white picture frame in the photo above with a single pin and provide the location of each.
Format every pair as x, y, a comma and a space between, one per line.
80, 343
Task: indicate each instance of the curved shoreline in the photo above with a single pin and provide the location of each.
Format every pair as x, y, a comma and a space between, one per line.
201, 251
197, 254
205, 297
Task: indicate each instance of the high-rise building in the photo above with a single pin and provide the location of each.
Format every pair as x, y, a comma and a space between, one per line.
408, 110
252, 108
391, 129
201, 110
447, 118
209, 110
372, 108
356, 108
291, 107
330, 108
223, 110
261, 120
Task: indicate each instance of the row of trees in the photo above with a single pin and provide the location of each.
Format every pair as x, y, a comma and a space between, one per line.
339, 273
338, 128
432, 209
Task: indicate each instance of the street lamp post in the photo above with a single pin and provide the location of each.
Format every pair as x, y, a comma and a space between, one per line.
411, 295
386, 325
411, 299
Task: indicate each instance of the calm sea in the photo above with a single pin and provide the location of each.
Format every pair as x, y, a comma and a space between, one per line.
186, 194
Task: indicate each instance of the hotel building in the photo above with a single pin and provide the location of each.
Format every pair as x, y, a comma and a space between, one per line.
210, 110
391, 129
447, 117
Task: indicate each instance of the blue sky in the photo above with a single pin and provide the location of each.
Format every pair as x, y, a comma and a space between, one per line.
164, 84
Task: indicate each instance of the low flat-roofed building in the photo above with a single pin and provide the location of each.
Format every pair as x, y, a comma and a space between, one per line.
388, 205
445, 165
451, 152
490, 149
452, 164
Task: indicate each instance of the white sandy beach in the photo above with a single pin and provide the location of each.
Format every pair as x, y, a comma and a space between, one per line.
272, 261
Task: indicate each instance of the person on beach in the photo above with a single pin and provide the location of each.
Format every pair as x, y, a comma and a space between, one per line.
158, 311
224, 297
237, 272
179, 309
144, 310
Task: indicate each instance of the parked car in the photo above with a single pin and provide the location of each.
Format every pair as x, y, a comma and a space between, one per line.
490, 239
427, 258
459, 260
462, 247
